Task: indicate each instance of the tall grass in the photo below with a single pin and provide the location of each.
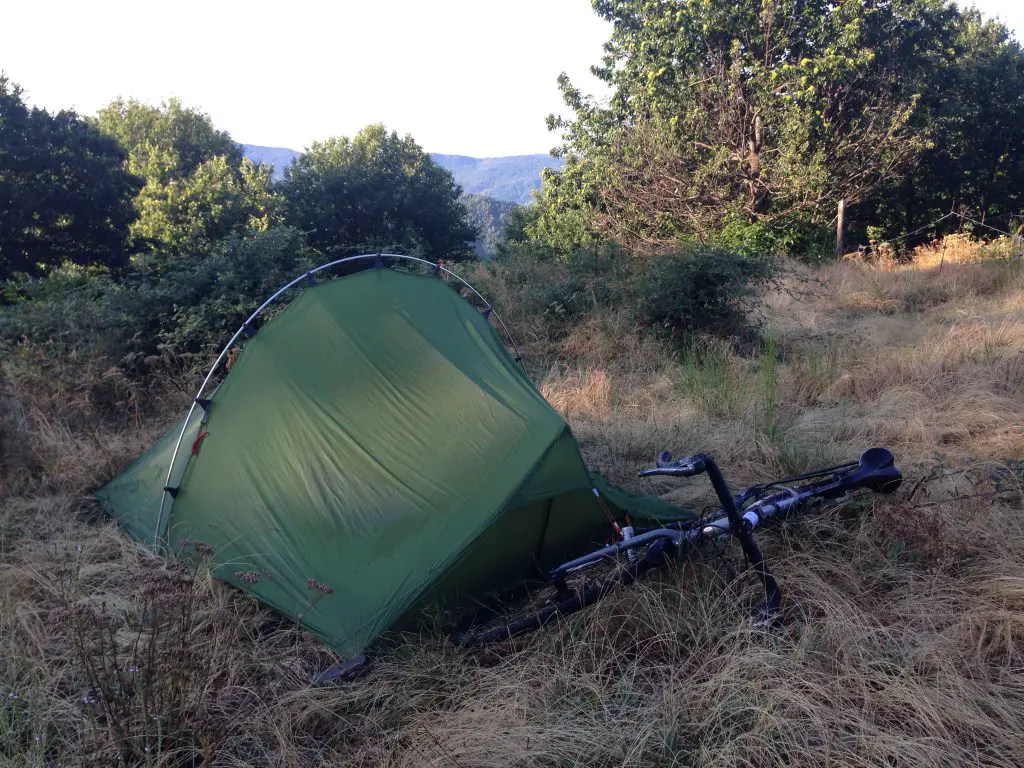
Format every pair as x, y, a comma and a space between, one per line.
902, 642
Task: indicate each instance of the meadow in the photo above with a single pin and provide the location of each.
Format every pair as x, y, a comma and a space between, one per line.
902, 641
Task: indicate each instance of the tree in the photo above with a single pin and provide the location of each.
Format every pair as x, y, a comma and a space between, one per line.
198, 188
972, 109
377, 191
64, 193
753, 110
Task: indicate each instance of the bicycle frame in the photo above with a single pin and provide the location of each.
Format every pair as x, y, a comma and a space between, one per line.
693, 533
874, 470
739, 516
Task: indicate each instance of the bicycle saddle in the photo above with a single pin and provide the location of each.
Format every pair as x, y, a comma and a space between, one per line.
875, 470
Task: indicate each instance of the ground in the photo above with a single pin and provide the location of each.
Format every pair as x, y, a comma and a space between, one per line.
902, 642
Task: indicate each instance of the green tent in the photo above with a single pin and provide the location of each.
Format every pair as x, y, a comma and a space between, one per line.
374, 449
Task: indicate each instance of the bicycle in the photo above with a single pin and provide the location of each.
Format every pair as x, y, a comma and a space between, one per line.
574, 585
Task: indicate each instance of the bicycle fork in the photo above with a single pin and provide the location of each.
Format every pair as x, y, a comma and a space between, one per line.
744, 532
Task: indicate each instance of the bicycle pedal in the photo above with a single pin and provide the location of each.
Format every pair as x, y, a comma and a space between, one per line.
764, 617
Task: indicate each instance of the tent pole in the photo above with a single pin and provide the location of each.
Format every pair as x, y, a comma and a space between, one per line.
304, 276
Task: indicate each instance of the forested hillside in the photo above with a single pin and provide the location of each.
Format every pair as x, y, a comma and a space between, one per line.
488, 216
512, 179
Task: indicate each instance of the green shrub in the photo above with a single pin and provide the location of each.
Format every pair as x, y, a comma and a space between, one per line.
567, 302
702, 291
186, 304
561, 291
791, 236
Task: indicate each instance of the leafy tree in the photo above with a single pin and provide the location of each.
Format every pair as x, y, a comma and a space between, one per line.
748, 110
972, 109
376, 191
166, 142
194, 212
64, 194
198, 187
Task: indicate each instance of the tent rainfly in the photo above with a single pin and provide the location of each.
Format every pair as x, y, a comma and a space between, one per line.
374, 449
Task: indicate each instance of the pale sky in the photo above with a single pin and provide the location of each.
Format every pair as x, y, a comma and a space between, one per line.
470, 77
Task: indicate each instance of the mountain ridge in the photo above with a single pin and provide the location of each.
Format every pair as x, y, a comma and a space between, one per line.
511, 178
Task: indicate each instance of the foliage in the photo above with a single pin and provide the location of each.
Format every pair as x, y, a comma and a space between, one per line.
692, 292
166, 142
794, 236
726, 110
585, 283
517, 243
198, 187
187, 304
702, 290
566, 212
64, 195
972, 109
376, 191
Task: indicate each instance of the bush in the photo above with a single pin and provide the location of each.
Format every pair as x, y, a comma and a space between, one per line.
186, 304
567, 302
792, 236
702, 290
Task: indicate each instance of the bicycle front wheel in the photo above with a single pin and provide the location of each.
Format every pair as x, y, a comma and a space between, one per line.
532, 605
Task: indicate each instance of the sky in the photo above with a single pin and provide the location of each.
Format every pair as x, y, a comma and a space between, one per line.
470, 77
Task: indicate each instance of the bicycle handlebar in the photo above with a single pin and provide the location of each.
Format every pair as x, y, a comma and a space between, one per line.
687, 466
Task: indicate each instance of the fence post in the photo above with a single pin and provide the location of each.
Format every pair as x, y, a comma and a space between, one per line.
839, 229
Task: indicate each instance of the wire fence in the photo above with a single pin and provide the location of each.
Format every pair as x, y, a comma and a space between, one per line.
892, 245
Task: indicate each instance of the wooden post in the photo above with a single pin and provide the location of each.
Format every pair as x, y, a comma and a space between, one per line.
839, 229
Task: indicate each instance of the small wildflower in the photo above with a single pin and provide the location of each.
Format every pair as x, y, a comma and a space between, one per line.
319, 587
201, 547
88, 699
78, 549
37, 738
133, 668
247, 577
12, 695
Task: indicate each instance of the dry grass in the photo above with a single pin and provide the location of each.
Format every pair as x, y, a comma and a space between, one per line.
903, 643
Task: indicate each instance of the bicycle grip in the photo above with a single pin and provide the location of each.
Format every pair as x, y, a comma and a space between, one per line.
687, 466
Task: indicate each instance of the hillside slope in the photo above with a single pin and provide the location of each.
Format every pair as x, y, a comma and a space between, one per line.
513, 178
279, 157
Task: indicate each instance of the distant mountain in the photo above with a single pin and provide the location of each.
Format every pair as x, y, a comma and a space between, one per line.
511, 179
279, 157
